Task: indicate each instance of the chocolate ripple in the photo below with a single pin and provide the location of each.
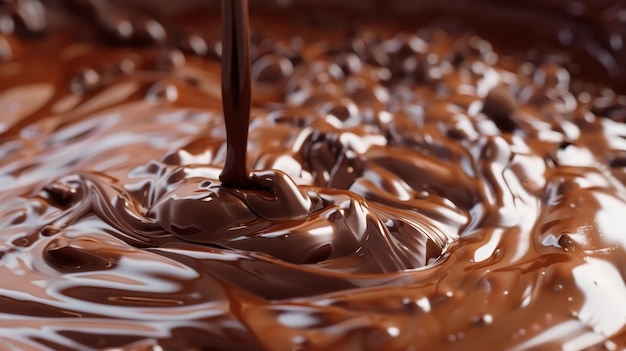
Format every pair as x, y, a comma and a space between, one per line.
335, 230
435, 192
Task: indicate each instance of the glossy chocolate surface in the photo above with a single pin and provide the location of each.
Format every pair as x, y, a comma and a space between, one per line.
417, 187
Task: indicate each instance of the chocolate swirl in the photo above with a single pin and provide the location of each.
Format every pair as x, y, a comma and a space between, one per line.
417, 188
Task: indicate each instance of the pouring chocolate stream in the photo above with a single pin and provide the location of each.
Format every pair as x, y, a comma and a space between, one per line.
252, 205
236, 90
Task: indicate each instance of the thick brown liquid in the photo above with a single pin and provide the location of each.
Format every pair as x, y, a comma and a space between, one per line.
434, 192
236, 89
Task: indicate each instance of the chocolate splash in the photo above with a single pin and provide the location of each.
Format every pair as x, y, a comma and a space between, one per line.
437, 192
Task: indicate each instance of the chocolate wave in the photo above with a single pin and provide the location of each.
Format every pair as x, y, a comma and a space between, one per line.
435, 193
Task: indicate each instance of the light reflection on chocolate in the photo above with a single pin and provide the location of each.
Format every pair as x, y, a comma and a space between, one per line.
428, 189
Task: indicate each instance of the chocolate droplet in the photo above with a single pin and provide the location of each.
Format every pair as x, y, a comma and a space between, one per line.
116, 26
194, 44
148, 31
349, 63
85, 81
125, 66
29, 17
500, 105
271, 69
162, 92
566, 242
342, 110
168, 59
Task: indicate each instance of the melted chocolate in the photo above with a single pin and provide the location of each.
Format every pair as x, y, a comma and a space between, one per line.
413, 188
236, 89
